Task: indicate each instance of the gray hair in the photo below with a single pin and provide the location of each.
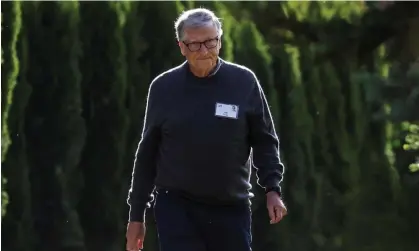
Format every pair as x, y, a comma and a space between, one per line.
196, 18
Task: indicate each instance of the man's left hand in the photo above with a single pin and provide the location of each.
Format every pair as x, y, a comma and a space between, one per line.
276, 207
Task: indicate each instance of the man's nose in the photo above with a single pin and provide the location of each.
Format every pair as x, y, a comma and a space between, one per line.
203, 49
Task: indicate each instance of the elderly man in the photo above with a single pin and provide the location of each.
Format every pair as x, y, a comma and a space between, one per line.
202, 120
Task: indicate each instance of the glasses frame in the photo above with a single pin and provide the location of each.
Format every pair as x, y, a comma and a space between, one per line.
202, 43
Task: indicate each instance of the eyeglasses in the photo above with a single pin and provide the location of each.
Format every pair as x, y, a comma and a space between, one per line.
196, 46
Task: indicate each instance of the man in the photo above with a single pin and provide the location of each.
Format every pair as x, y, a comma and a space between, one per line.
202, 119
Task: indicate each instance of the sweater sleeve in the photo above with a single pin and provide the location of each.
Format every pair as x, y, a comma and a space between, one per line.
264, 141
144, 170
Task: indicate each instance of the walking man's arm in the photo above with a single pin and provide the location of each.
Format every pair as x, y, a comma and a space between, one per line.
265, 145
144, 172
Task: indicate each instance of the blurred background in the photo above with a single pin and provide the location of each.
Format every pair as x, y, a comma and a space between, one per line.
342, 79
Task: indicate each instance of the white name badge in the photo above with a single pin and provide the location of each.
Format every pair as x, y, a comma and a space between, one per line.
226, 111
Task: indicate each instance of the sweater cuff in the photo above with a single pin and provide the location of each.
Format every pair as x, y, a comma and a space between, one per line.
276, 189
272, 182
137, 214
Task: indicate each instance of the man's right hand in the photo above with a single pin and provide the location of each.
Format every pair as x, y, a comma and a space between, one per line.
135, 236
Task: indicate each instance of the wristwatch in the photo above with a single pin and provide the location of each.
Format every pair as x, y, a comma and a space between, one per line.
275, 189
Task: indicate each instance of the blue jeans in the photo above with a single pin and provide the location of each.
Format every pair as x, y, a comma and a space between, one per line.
184, 225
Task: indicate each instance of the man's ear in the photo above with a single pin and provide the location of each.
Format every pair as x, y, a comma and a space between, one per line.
182, 48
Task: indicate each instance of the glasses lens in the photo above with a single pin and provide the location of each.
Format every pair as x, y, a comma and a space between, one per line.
211, 43
194, 46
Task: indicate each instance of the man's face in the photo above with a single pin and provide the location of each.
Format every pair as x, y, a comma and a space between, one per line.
204, 47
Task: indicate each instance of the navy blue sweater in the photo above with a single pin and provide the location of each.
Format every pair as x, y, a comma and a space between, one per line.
197, 138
